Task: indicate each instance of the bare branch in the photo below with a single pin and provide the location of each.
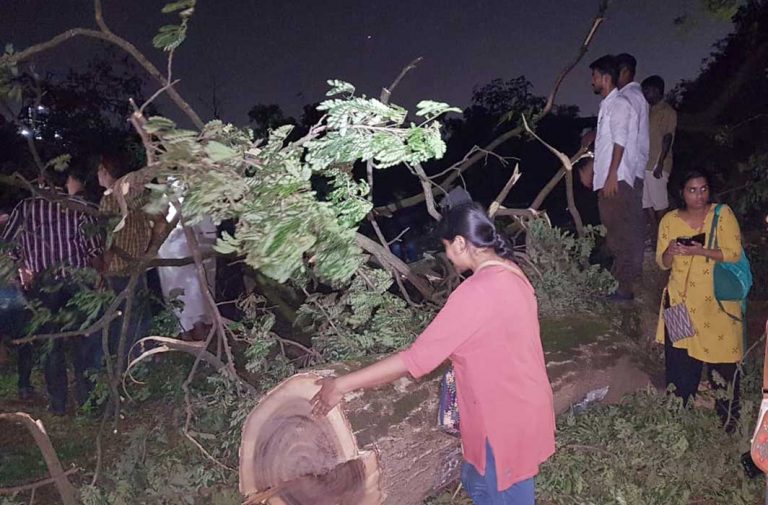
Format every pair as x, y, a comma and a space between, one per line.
494, 207
546, 190
386, 93
447, 184
108, 36
66, 490
596, 22
568, 166
34, 485
426, 186
392, 262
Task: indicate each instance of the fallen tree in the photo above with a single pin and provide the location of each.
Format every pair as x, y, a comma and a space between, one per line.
383, 445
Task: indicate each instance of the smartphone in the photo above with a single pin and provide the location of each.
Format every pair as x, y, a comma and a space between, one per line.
689, 241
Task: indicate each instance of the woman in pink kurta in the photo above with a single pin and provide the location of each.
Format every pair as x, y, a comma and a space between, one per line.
489, 329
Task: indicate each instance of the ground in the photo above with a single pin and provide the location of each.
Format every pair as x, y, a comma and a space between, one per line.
569, 342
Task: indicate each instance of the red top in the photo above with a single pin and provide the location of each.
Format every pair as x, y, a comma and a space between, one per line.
489, 328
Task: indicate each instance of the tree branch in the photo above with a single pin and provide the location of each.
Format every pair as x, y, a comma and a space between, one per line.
392, 262
107, 35
494, 207
568, 166
447, 183
66, 490
34, 485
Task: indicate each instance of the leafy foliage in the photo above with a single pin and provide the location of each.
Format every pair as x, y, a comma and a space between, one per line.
362, 318
560, 270
171, 36
284, 228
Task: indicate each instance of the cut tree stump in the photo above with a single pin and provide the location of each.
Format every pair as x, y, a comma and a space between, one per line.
382, 446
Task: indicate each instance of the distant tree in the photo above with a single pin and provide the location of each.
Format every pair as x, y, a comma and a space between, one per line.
264, 118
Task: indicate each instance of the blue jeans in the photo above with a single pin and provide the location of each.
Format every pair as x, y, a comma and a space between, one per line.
482, 488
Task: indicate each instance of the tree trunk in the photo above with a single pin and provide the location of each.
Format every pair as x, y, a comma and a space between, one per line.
389, 436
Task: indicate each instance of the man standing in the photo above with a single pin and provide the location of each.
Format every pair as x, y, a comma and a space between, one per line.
53, 236
638, 151
617, 177
129, 244
663, 123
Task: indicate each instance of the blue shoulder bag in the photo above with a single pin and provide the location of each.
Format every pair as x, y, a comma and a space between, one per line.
732, 281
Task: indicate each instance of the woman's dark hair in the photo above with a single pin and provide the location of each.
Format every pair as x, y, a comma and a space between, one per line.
471, 222
687, 176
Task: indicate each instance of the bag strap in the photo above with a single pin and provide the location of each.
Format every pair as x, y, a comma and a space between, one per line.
514, 270
712, 243
765, 366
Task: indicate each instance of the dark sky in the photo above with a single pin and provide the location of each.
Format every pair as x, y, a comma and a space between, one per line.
282, 51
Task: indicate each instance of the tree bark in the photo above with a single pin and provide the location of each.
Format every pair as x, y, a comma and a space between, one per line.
396, 426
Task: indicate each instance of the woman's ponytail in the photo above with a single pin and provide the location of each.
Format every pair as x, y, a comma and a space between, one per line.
471, 222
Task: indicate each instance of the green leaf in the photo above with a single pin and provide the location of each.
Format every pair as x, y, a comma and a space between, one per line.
218, 151
339, 88
178, 5
59, 163
430, 109
170, 37
157, 124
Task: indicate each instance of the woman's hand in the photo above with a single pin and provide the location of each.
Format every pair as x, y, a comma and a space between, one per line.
327, 398
677, 249
674, 249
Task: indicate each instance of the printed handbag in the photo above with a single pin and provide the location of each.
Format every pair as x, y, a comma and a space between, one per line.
448, 409
677, 319
678, 322
732, 280
759, 449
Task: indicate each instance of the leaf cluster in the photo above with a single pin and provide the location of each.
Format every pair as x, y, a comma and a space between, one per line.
361, 318
284, 227
560, 268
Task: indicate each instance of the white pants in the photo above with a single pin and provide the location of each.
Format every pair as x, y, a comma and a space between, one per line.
655, 192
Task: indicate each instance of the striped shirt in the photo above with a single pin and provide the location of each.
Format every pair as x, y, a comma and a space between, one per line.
135, 235
49, 235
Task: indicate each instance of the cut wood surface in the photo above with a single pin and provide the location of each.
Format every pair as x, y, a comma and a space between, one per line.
288, 457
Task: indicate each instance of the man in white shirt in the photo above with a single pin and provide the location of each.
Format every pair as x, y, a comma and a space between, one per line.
637, 150
617, 178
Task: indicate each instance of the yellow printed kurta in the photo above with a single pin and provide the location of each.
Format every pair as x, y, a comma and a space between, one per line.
718, 338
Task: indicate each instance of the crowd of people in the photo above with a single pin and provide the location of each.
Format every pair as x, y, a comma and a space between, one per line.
489, 326
64, 244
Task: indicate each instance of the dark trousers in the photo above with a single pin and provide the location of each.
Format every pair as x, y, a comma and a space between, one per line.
685, 373
622, 216
140, 318
84, 349
25, 363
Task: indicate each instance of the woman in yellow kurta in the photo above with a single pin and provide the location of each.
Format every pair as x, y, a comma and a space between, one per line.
718, 338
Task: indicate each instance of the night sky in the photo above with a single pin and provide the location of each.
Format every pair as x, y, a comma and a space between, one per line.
280, 51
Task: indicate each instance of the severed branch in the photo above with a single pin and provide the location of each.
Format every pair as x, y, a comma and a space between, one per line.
426, 186
567, 164
447, 183
395, 264
494, 207
66, 490
386, 93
